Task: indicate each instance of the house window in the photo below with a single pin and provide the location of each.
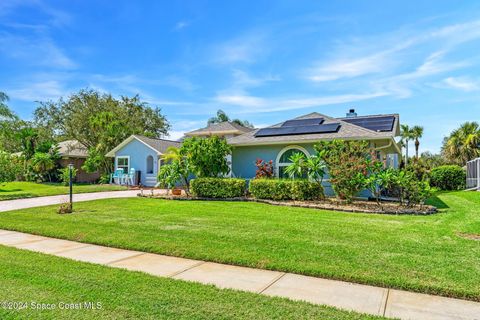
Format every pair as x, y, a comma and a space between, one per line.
123, 163
284, 156
149, 165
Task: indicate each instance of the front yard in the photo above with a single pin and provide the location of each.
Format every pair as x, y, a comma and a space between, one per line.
436, 254
18, 190
130, 295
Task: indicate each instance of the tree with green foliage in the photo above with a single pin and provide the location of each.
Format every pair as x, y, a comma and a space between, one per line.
223, 117
100, 122
463, 144
407, 136
349, 163
417, 134
296, 169
175, 168
207, 156
42, 164
10, 167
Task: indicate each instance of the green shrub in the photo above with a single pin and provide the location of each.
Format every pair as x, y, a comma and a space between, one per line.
11, 167
450, 177
283, 189
65, 175
218, 187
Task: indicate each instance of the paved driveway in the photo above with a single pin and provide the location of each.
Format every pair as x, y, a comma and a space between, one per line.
46, 201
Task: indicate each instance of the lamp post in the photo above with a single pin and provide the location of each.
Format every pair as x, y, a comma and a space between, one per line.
70, 184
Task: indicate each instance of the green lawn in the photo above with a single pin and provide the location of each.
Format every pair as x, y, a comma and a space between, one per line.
419, 253
17, 190
124, 294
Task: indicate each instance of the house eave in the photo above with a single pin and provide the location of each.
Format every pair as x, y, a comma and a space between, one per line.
264, 143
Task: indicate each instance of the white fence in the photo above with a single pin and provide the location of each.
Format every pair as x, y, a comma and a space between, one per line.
473, 174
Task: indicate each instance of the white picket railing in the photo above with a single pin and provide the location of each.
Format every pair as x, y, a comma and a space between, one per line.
473, 174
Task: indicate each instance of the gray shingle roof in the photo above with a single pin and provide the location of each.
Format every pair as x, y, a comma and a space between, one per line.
159, 145
72, 149
346, 131
225, 126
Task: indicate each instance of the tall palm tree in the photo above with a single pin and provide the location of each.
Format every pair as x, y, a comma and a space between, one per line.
463, 144
406, 134
222, 117
417, 133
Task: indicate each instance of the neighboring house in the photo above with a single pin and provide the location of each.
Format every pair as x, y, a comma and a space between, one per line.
280, 141
142, 154
226, 129
73, 152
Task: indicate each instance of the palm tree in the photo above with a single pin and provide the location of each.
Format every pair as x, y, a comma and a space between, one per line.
43, 164
406, 134
463, 144
297, 166
417, 133
223, 117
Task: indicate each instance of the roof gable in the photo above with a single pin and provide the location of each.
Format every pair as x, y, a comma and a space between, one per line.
157, 145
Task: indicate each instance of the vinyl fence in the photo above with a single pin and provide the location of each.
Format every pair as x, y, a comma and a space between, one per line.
473, 174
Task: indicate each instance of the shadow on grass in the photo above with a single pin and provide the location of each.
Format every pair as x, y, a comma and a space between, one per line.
437, 202
9, 190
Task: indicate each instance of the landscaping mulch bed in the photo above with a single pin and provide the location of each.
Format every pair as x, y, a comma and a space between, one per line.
333, 204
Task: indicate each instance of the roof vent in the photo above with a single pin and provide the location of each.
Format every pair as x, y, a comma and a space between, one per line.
351, 113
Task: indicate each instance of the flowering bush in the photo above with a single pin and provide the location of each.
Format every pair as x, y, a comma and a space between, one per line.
264, 169
349, 163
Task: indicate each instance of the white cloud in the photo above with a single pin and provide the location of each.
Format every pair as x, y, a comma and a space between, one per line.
36, 50
462, 83
252, 104
347, 68
181, 25
38, 91
245, 49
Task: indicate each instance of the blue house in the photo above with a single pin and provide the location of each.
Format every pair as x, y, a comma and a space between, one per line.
299, 135
142, 154
276, 143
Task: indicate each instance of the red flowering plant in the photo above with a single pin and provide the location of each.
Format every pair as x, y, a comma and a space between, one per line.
264, 169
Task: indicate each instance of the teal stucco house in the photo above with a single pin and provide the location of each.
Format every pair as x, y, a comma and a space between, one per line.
299, 135
277, 143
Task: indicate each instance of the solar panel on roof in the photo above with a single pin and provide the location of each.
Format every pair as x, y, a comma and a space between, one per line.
380, 124
303, 122
287, 131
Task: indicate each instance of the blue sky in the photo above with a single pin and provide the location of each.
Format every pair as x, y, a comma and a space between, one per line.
264, 61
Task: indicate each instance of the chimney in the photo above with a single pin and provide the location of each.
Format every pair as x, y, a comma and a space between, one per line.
351, 113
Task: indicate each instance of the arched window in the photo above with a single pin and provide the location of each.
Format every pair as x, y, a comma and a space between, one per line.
284, 156
149, 165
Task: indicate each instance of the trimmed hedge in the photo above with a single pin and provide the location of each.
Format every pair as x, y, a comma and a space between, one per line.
283, 189
218, 187
450, 177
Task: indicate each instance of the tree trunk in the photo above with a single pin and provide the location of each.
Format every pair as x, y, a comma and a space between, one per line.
417, 145
406, 153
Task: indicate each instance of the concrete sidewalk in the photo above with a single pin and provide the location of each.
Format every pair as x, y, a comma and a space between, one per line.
344, 295
16, 204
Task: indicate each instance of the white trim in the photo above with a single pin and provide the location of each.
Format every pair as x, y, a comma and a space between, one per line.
122, 157
280, 154
112, 152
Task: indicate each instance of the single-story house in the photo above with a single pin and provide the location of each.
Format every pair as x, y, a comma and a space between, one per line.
276, 143
74, 152
280, 141
142, 154
226, 129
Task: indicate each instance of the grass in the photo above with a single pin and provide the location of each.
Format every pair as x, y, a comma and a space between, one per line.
418, 253
18, 190
132, 295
